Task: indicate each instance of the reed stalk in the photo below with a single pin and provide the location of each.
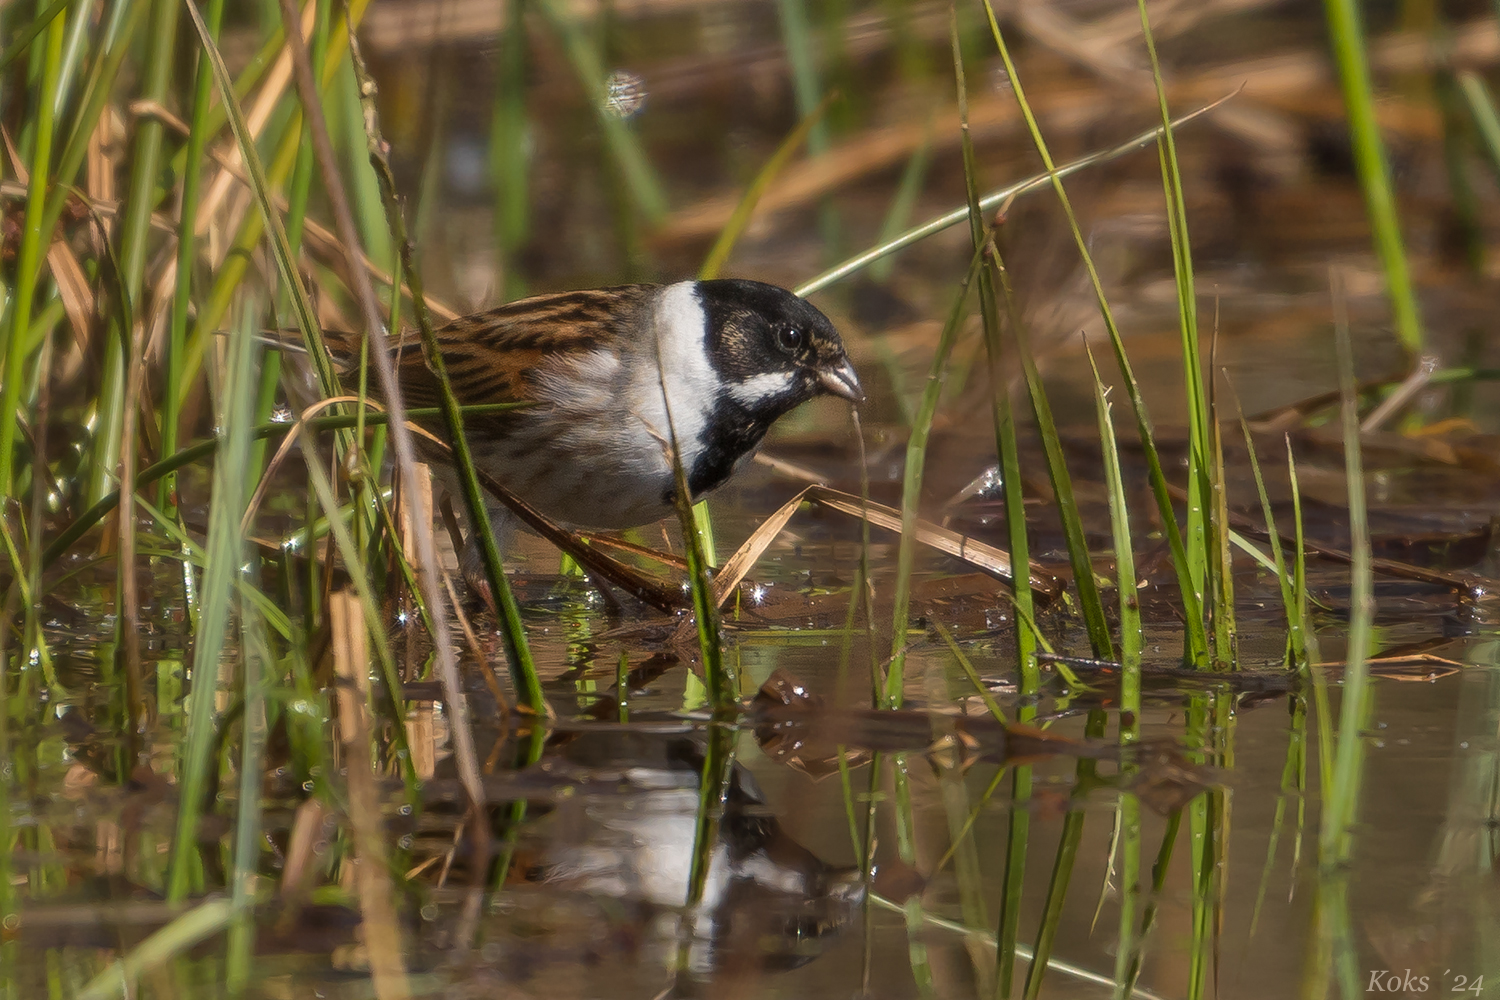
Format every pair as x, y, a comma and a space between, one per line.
1347, 36
1341, 799
1192, 594
35, 236
182, 290
1007, 451
222, 561
911, 485
513, 633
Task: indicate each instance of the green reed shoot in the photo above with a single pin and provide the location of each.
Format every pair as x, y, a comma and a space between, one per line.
182, 291
34, 238
898, 215
226, 506
513, 632
713, 790
1347, 35
1129, 820
992, 277
1310, 653
1220, 535
508, 156
1192, 595
1132, 638
1018, 832
911, 484
1293, 788
1481, 105
1341, 800
804, 58
722, 684
1062, 866
1207, 821
906, 849
989, 203
203, 921
1159, 869
1290, 604
255, 659
1205, 480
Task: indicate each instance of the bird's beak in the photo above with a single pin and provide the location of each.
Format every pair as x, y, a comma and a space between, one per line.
841, 381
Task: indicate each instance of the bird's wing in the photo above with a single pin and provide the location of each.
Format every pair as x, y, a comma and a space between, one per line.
491, 357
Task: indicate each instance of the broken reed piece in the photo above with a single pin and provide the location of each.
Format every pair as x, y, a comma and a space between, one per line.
351, 663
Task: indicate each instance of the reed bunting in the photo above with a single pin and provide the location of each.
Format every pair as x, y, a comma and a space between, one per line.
603, 368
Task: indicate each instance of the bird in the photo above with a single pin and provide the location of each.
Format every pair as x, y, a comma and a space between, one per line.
609, 377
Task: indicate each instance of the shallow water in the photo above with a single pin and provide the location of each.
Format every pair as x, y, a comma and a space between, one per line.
602, 854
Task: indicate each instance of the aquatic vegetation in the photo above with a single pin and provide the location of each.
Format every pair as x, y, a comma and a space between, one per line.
255, 739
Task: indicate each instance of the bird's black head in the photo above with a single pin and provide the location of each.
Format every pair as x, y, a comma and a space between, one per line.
773, 349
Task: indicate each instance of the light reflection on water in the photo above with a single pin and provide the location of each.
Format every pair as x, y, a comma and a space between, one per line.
579, 919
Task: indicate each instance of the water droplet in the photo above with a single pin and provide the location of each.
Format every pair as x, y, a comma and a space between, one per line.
624, 94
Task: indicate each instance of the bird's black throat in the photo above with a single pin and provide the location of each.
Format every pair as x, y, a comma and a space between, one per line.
732, 433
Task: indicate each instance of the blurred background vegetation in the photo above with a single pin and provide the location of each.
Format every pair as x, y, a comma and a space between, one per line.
1324, 235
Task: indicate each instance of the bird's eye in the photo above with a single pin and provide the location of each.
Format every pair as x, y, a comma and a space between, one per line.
789, 339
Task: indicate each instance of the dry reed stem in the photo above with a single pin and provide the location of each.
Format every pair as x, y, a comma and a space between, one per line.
382, 936
316, 237
299, 868
1297, 83
426, 567
256, 118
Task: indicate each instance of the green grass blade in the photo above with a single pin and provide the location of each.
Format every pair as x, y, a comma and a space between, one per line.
1062, 869
713, 791
202, 921
254, 660
1089, 600
721, 683
513, 632
916, 945
1132, 639
508, 150
988, 203
1206, 575
38, 24
623, 145
222, 550
805, 62
1006, 449
1299, 565
1192, 596
898, 215
1130, 891
911, 486
1347, 36
1159, 870
182, 292
1342, 798
34, 240
1289, 602
1481, 104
